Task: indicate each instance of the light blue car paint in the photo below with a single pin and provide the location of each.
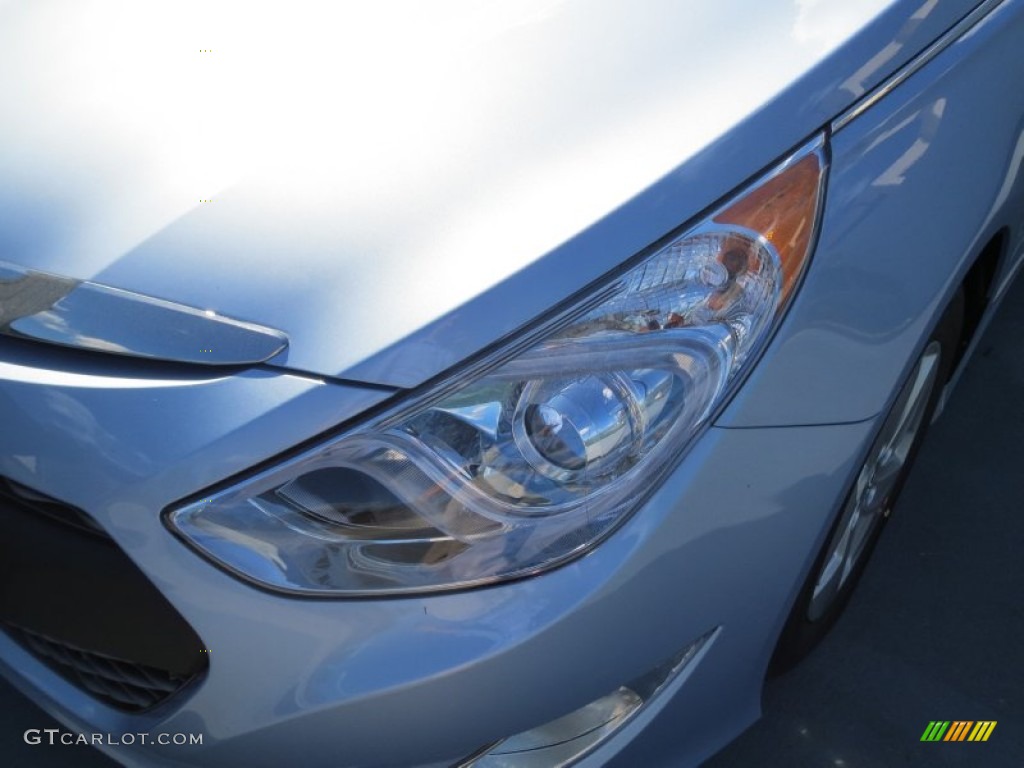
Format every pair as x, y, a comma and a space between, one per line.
552, 144
873, 292
336, 681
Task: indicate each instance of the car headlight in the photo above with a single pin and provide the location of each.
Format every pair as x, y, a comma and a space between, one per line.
530, 458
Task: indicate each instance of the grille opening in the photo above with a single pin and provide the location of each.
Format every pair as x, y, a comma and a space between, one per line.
71, 597
120, 683
15, 493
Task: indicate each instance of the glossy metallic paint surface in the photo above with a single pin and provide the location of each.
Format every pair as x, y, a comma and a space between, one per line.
455, 671
710, 548
383, 205
951, 35
93, 435
919, 185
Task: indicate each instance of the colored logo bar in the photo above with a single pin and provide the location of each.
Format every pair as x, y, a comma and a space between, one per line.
958, 730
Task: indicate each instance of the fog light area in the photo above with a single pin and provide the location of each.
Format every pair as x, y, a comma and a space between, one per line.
568, 739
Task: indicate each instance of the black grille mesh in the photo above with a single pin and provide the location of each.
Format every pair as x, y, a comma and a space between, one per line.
120, 683
75, 600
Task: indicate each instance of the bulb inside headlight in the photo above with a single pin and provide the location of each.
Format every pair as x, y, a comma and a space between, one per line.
570, 426
534, 457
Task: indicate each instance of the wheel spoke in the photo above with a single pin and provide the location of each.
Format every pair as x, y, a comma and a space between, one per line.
879, 476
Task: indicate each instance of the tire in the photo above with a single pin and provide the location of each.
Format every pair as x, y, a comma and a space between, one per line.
868, 502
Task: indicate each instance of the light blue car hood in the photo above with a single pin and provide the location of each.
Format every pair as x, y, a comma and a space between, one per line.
396, 185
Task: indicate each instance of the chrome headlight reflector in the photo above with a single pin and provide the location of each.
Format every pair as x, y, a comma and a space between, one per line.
529, 460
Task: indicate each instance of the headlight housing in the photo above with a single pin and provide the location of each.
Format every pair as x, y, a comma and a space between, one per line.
531, 458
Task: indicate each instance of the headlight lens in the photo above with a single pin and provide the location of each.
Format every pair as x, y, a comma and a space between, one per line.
531, 459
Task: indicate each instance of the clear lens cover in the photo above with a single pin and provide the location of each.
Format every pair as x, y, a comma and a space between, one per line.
531, 463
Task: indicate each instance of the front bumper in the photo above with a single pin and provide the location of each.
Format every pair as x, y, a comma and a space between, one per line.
423, 680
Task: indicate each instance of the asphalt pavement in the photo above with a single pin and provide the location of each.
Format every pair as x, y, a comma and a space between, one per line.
935, 630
